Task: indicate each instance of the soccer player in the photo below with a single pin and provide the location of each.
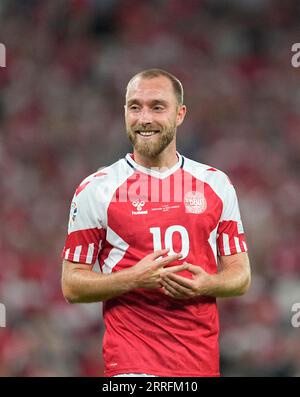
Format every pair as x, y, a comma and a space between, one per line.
167, 234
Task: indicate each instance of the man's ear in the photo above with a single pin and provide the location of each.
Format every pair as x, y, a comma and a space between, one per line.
180, 115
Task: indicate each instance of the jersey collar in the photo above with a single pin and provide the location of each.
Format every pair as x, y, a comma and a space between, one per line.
154, 172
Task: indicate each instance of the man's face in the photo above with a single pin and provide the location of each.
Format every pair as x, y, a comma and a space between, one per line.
152, 115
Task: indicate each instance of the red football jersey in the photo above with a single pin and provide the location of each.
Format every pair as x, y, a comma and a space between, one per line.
126, 211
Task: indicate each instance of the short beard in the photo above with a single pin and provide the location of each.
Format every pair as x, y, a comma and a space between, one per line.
150, 149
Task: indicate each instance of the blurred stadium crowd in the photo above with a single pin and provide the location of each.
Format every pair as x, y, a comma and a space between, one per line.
61, 118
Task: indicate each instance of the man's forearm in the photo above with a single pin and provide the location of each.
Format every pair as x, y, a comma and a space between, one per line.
229, 282
86, 286
81, 285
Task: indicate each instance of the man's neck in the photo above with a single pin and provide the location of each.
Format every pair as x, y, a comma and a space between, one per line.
167, 159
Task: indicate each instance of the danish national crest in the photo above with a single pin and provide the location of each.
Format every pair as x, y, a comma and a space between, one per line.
195, 202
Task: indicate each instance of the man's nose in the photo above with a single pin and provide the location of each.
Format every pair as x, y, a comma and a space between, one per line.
145, 116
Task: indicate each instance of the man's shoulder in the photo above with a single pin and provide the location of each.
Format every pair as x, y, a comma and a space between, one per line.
217, 180
204, 171
105, 177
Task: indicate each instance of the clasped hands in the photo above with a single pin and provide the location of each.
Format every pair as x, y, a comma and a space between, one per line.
179, 287
152, 272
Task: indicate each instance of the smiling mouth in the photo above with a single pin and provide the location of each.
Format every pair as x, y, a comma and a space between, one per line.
147, 133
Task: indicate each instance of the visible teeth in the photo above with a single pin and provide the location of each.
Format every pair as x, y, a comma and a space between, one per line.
147, 133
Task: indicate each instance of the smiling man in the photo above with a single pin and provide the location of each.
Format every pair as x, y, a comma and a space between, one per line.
153, 112
167, 234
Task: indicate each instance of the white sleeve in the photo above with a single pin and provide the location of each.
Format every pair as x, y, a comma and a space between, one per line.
85, 232
230, 235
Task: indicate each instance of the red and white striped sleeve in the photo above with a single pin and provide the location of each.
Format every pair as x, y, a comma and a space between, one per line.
85, 232
230, 234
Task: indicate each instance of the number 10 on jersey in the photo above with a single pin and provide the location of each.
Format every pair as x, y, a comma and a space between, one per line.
167, 239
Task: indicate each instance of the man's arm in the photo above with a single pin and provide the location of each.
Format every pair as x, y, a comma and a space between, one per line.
233, 279
80, 284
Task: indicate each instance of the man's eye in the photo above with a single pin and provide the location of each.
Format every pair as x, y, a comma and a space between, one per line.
158, 108
133, 107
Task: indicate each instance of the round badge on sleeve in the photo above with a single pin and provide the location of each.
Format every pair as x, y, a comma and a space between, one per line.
73, 213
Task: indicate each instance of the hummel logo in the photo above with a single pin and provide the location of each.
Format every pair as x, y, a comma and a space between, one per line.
138, 204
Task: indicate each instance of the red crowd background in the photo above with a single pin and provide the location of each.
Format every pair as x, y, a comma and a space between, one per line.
61, 118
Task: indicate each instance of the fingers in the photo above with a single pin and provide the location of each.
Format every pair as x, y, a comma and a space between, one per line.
175, 269
194, 269
175, 279
175, 290
158, 253
168, 259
